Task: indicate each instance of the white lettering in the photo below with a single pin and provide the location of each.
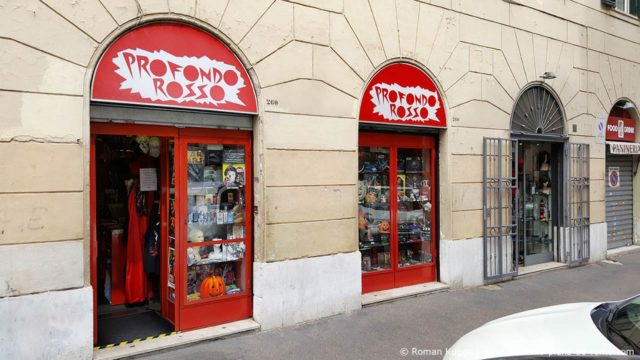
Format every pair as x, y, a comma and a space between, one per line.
159, 75
395, 102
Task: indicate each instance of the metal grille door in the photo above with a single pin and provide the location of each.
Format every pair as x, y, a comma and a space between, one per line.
577, 242
619, 199
500, 203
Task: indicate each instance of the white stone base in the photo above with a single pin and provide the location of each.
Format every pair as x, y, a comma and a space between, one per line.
598, 242
402, 292
294, 291
461, 262
52, 325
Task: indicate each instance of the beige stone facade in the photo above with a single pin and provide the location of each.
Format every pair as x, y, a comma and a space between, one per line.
310, 61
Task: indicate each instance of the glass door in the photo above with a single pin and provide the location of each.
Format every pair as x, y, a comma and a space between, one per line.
537, 199
414, 207
216, 231
396, 213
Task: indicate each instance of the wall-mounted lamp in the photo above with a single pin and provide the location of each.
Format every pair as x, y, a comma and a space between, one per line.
548, 75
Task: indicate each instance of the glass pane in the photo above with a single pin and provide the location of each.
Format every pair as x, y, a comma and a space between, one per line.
414, 207
634, 7
215, 187
215, 270
373, 214
536, 235
215, 212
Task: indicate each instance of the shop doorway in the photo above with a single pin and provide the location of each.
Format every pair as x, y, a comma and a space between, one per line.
539, 174
397, 211
131, 175
171, 229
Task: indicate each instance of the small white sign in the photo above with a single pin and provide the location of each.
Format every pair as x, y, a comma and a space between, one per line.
601, 130
148, 179
621, 148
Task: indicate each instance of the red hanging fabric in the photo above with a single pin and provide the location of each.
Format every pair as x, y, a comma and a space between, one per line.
135, 278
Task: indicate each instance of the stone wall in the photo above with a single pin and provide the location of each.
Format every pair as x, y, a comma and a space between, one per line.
310, 61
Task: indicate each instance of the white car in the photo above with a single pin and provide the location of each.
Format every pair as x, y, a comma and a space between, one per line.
580, 329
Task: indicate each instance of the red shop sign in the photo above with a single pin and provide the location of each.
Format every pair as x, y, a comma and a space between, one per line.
173, 65
402, 94
621, 129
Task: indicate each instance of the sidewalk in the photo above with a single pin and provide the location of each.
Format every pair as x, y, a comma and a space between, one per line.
431, 322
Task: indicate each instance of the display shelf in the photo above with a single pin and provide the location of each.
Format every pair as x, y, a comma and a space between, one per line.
412, 242
365, 247
411, 172
215, 242
213, 261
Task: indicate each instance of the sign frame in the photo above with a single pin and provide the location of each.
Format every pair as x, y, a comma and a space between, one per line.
173, 65
402, 94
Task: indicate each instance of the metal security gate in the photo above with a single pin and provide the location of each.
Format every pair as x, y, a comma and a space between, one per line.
576, 244
500, 171
619, 200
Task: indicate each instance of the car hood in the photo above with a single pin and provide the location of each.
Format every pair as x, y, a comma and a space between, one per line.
560, 329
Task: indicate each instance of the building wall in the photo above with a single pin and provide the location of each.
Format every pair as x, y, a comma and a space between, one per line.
310, 61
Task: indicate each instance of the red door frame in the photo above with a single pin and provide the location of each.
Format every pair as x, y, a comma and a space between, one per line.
198, 314
186, 316
402, 276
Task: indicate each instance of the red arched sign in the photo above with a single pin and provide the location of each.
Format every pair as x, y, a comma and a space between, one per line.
402, 94
173, 65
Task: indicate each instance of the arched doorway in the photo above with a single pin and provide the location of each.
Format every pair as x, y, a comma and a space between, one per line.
538, 123
171, 184
536, 190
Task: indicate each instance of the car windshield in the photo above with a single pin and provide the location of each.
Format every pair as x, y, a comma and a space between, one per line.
624, 325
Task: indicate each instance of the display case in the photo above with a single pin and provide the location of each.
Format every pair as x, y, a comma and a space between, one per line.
215, 220
396, 212
214, 227
374, 225
414, 207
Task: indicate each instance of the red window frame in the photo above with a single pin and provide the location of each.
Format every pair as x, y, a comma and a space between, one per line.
398, 276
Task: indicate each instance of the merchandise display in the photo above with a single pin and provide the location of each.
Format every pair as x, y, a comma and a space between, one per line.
414, 207
171, 231
396, 210
373, 215
215, 219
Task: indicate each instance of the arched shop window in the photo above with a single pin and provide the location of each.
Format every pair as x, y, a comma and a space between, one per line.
537, 112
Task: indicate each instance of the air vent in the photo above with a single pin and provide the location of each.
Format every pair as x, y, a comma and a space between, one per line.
611, 3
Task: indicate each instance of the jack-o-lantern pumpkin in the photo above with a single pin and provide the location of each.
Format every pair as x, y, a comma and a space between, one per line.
212, 286
384, 227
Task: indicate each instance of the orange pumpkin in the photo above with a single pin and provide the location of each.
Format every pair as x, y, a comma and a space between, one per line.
384, 227
212, 286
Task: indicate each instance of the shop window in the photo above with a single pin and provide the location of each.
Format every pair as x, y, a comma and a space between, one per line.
631, 7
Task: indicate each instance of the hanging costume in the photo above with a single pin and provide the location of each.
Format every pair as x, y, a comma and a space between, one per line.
135, 277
